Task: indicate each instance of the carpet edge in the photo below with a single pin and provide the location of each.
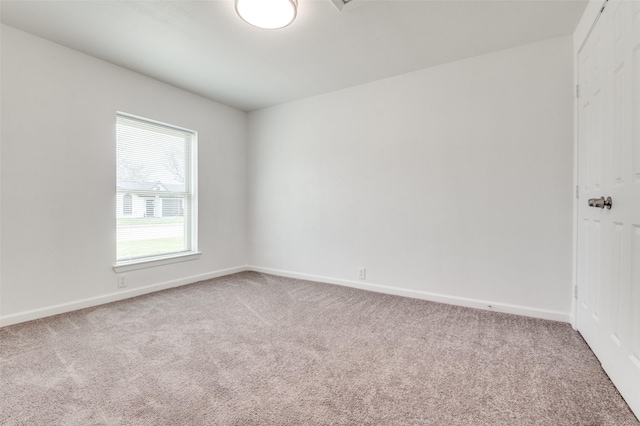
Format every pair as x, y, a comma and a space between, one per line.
507, 308
75, 305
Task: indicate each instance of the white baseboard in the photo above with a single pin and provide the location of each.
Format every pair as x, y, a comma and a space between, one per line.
112, 297
434, 297
399, 291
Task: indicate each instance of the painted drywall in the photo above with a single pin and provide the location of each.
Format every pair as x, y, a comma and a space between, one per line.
58, 178
452, 182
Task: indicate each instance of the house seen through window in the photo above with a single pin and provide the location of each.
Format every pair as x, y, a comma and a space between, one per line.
155, 196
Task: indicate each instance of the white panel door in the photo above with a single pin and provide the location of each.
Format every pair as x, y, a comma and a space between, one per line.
608, 305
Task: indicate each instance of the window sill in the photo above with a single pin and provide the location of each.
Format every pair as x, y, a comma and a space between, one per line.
132, 265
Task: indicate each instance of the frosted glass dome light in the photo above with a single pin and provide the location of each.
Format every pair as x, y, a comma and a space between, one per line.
268, 14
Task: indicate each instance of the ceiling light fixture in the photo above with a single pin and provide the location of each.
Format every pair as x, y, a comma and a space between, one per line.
268, 14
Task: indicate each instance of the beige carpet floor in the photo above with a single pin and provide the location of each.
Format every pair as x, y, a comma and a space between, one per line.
255, 349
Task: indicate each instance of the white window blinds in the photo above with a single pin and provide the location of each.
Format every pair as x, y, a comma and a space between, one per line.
155, 189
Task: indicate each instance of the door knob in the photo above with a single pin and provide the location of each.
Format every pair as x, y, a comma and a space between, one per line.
601, 202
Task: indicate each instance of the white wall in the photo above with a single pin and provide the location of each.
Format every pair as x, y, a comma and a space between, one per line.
58, 178
452, 183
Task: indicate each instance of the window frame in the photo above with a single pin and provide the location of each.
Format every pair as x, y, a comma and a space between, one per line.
192, 252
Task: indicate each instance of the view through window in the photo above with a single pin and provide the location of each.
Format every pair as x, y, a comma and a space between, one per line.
155, 181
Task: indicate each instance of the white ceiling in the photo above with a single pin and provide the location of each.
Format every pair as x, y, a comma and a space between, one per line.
203, 47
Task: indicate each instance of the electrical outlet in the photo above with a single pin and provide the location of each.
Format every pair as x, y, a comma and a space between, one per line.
122, 281
362, 273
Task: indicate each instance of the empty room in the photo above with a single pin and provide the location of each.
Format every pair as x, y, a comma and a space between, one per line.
320, 212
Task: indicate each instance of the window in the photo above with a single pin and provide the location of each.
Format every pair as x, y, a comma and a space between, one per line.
155, 191
127, 205
150, 207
